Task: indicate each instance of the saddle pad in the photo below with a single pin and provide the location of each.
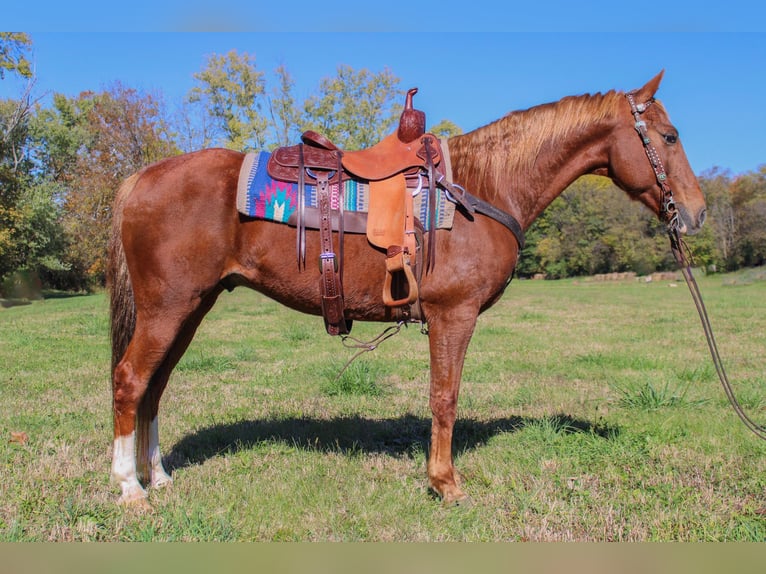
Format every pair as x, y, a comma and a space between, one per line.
260, 196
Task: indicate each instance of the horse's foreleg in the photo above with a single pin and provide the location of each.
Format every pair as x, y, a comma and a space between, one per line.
448, 338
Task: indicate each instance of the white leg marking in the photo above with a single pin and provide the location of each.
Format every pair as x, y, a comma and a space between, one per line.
124, 468
159, 476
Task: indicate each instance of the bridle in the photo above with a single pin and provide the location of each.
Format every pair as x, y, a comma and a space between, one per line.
669, 215
668, 211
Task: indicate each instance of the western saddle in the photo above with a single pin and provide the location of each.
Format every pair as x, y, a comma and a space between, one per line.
390, 222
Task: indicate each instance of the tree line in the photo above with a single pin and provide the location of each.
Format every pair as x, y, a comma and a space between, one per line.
63, 157
595, 228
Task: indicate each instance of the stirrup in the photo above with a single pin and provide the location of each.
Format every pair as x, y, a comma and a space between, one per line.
398, 260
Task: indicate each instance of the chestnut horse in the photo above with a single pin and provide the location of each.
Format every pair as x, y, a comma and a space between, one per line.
178, 242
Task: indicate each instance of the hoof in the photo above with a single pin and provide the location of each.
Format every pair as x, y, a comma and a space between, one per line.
458, 498
139, 505
452, 495
134, 501
463, 502
162, 481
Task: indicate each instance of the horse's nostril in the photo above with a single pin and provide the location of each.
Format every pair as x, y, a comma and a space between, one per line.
702, 216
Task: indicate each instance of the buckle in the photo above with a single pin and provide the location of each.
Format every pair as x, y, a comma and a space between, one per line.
330, 256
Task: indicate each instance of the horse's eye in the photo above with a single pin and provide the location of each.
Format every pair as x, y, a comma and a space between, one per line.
670, 139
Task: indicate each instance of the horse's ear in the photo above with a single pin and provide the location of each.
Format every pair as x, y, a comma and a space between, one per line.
650, 88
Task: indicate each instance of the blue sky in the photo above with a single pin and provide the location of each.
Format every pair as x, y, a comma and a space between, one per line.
714, 86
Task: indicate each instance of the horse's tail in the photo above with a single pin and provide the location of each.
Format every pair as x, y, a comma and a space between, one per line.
122, 314
122, 308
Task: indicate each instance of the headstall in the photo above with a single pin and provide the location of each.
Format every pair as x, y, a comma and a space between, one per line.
668, 210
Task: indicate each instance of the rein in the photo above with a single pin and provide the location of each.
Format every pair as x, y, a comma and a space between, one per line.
366, 346
682, 255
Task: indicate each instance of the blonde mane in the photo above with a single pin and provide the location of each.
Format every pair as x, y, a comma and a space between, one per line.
511, 145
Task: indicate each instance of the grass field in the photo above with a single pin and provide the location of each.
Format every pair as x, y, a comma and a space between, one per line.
588, 411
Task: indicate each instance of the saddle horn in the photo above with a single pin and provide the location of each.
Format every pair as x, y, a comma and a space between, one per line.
412, 122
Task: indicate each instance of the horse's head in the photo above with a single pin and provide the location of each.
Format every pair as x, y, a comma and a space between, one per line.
631, 169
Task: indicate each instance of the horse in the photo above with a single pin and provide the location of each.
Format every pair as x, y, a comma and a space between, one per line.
178, 242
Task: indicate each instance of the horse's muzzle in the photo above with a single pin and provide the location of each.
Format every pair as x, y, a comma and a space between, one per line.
690, 224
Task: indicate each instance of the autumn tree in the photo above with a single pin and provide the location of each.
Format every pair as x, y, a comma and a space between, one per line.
124, 130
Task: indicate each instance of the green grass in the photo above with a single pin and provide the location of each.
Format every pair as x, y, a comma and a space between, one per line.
356, 378
588, 411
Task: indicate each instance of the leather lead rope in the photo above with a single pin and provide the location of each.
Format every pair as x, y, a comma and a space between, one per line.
367, 346
679, 249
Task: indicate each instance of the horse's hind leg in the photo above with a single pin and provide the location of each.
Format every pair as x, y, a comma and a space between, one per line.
151, 341
148, 455
158, 342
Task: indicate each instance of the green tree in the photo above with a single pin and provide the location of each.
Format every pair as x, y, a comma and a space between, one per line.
748, 194
59, 133
354, 109
285, 114
445, 129
31, 238
716, 184
13, 54
24, 216
39, 235
193, 128
15, 177
232, 92
593, 227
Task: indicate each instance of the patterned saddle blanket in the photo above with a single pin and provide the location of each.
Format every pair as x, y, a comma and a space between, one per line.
261, 197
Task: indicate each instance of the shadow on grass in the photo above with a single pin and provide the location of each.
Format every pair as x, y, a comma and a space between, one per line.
402, 436
8, 303
55, 294
46, 294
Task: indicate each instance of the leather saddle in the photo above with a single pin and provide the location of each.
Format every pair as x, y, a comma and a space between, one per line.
390, 223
